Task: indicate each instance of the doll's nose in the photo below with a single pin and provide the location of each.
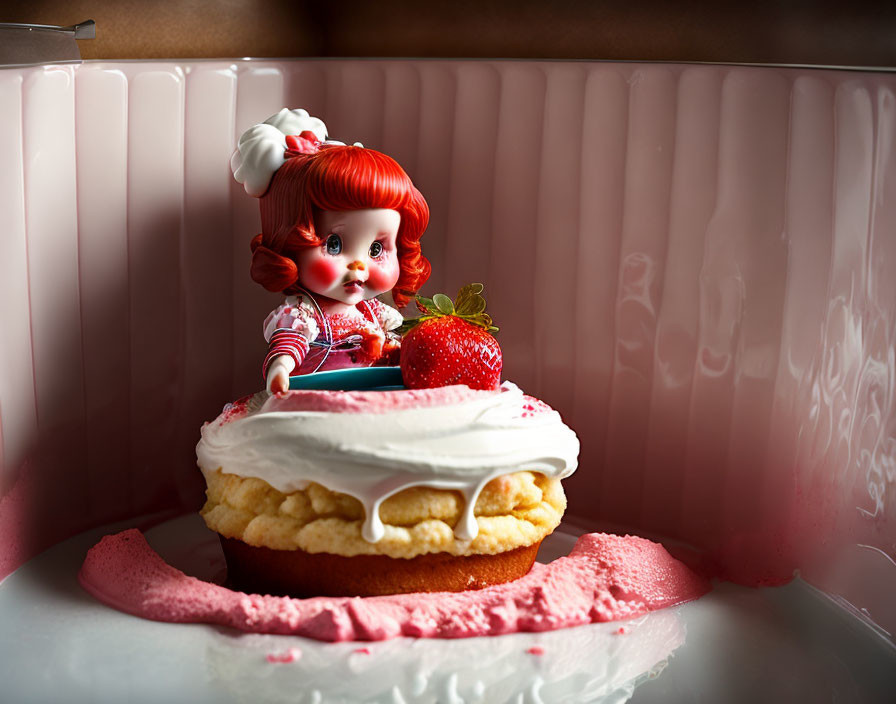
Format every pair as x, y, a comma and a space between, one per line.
356, 265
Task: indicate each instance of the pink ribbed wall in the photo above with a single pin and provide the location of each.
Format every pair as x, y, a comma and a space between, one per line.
693, 263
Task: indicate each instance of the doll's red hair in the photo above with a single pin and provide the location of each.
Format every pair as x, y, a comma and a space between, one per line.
336, 178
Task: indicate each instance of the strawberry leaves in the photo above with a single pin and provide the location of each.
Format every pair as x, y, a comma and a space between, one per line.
469, 305
444, 304
469, 300
426, 305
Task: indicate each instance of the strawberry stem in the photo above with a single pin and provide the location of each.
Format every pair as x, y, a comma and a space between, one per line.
469, 305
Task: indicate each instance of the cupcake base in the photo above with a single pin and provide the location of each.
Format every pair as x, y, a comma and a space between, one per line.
301, 574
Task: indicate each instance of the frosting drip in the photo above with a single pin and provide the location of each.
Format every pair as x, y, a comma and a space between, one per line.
371, 445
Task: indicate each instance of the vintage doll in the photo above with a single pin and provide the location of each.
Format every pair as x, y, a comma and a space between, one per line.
340, 225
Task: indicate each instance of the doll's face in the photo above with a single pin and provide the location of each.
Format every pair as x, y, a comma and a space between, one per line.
358, 258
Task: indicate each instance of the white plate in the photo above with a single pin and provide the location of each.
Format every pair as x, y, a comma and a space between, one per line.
58, 644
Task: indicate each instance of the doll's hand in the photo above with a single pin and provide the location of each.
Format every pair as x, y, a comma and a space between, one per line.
372, 344
391, 351
278, 373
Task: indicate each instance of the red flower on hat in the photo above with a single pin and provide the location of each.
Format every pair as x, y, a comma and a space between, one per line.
305, 143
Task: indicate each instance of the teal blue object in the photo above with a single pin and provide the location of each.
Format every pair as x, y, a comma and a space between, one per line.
353, 379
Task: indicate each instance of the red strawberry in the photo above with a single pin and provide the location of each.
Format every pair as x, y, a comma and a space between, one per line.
451, 343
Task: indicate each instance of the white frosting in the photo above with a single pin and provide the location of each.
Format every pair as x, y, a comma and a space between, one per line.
371, 456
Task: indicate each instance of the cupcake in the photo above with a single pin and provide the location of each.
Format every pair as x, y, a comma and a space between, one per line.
362, 493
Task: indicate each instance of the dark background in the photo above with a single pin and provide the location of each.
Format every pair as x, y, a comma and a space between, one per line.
857, 33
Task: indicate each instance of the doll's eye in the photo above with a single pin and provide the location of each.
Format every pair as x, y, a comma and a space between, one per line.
334, 244
376, 249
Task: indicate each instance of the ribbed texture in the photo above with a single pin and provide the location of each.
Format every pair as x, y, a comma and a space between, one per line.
693, 264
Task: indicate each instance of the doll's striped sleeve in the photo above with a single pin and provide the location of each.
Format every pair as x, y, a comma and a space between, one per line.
289, 330
286, 342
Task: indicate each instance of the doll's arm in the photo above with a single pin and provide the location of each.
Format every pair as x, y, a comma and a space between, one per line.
287, 348
288, 329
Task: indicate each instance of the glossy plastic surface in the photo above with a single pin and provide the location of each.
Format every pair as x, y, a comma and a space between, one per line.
691, 263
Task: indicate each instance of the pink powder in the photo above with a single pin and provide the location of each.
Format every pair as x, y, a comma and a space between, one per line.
535, 650
605, 577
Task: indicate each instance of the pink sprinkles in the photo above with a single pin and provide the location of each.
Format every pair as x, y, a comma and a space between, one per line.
286, 657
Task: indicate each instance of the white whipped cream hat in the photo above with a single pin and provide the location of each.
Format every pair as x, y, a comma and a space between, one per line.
262, 148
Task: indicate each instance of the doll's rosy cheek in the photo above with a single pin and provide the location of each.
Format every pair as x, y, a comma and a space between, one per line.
323, 273
383, 276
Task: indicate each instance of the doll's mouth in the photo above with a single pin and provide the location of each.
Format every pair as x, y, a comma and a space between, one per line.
353, 285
